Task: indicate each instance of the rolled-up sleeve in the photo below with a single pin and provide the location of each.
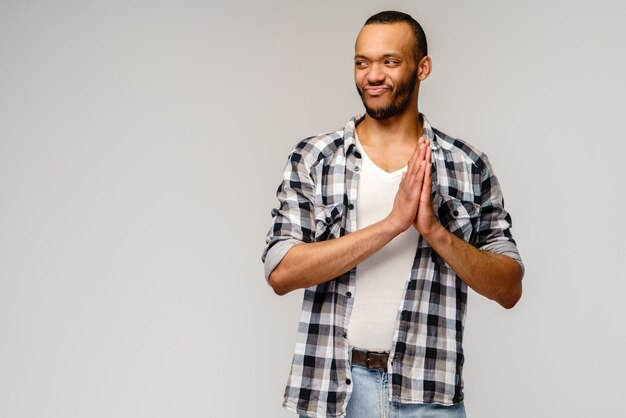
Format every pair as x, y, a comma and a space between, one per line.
293, 220
494, 229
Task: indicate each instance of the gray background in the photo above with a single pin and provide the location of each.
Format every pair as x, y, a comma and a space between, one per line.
141, 143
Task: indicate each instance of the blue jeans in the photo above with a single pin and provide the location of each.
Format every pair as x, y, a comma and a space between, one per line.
370, 399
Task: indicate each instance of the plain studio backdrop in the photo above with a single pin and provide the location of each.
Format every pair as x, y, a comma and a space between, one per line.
141, 145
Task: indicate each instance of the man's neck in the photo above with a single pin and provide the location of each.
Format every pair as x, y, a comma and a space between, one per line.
403, 129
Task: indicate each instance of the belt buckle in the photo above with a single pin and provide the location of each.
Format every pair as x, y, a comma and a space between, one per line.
369, 360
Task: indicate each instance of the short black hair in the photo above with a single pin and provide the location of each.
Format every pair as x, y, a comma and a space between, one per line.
392, 16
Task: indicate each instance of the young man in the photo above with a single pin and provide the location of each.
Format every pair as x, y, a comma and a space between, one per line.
385, 223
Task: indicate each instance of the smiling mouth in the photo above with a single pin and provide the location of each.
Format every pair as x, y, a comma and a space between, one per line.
376, 91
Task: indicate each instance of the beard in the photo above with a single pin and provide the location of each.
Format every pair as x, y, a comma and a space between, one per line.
398, 102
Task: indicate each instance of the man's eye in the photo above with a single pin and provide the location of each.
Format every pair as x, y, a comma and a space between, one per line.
360, 63
392, 62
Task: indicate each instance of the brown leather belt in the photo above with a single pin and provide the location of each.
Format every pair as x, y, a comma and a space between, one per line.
370, 359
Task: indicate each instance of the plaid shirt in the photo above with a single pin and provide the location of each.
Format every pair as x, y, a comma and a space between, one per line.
317, 200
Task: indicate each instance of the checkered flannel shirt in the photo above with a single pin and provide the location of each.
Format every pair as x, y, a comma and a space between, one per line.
317, 200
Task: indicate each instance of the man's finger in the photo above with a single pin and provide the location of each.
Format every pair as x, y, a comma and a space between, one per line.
428, 179
414, 158
414, 166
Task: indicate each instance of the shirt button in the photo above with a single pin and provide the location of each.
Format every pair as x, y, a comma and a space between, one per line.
357, 168
327, 220
455, 213
349, 294
350, 206
348, 381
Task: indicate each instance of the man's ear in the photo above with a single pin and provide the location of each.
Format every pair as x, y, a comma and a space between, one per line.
424, 67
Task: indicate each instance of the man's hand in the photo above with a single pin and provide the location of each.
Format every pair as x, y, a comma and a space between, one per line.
407, 201
425, 220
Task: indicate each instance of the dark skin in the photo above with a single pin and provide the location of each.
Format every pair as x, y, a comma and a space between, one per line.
384, 61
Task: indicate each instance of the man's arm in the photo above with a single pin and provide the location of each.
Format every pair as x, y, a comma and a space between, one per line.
495, 276
308, 264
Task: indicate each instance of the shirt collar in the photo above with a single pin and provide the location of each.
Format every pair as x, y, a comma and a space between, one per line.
350, 132
349, 137
428, 132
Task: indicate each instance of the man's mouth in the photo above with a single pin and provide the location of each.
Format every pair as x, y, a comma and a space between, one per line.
375, 90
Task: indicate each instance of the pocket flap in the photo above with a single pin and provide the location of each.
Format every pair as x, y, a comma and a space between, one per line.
452, 208
329, 214
459, 217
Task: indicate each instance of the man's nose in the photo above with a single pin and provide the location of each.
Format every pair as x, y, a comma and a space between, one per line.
375, 74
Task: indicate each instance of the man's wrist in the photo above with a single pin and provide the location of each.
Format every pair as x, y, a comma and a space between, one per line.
392, 227
438, 236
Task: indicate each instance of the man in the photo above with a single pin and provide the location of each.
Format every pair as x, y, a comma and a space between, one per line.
385, 223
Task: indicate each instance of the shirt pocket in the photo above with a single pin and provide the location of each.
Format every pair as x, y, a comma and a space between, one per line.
459, 217
328, 221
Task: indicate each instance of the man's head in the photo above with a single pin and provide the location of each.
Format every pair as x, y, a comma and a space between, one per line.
391, 57
420, 46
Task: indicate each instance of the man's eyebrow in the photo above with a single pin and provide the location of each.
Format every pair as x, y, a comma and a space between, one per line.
387, 55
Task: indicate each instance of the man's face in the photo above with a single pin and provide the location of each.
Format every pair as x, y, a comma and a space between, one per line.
385, 69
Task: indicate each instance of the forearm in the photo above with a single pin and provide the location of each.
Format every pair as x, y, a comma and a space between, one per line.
309, 264
495, 276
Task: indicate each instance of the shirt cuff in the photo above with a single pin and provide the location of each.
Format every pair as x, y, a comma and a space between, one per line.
505, 248
275, 254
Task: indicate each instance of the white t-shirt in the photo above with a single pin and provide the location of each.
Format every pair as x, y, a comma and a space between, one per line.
381, 278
